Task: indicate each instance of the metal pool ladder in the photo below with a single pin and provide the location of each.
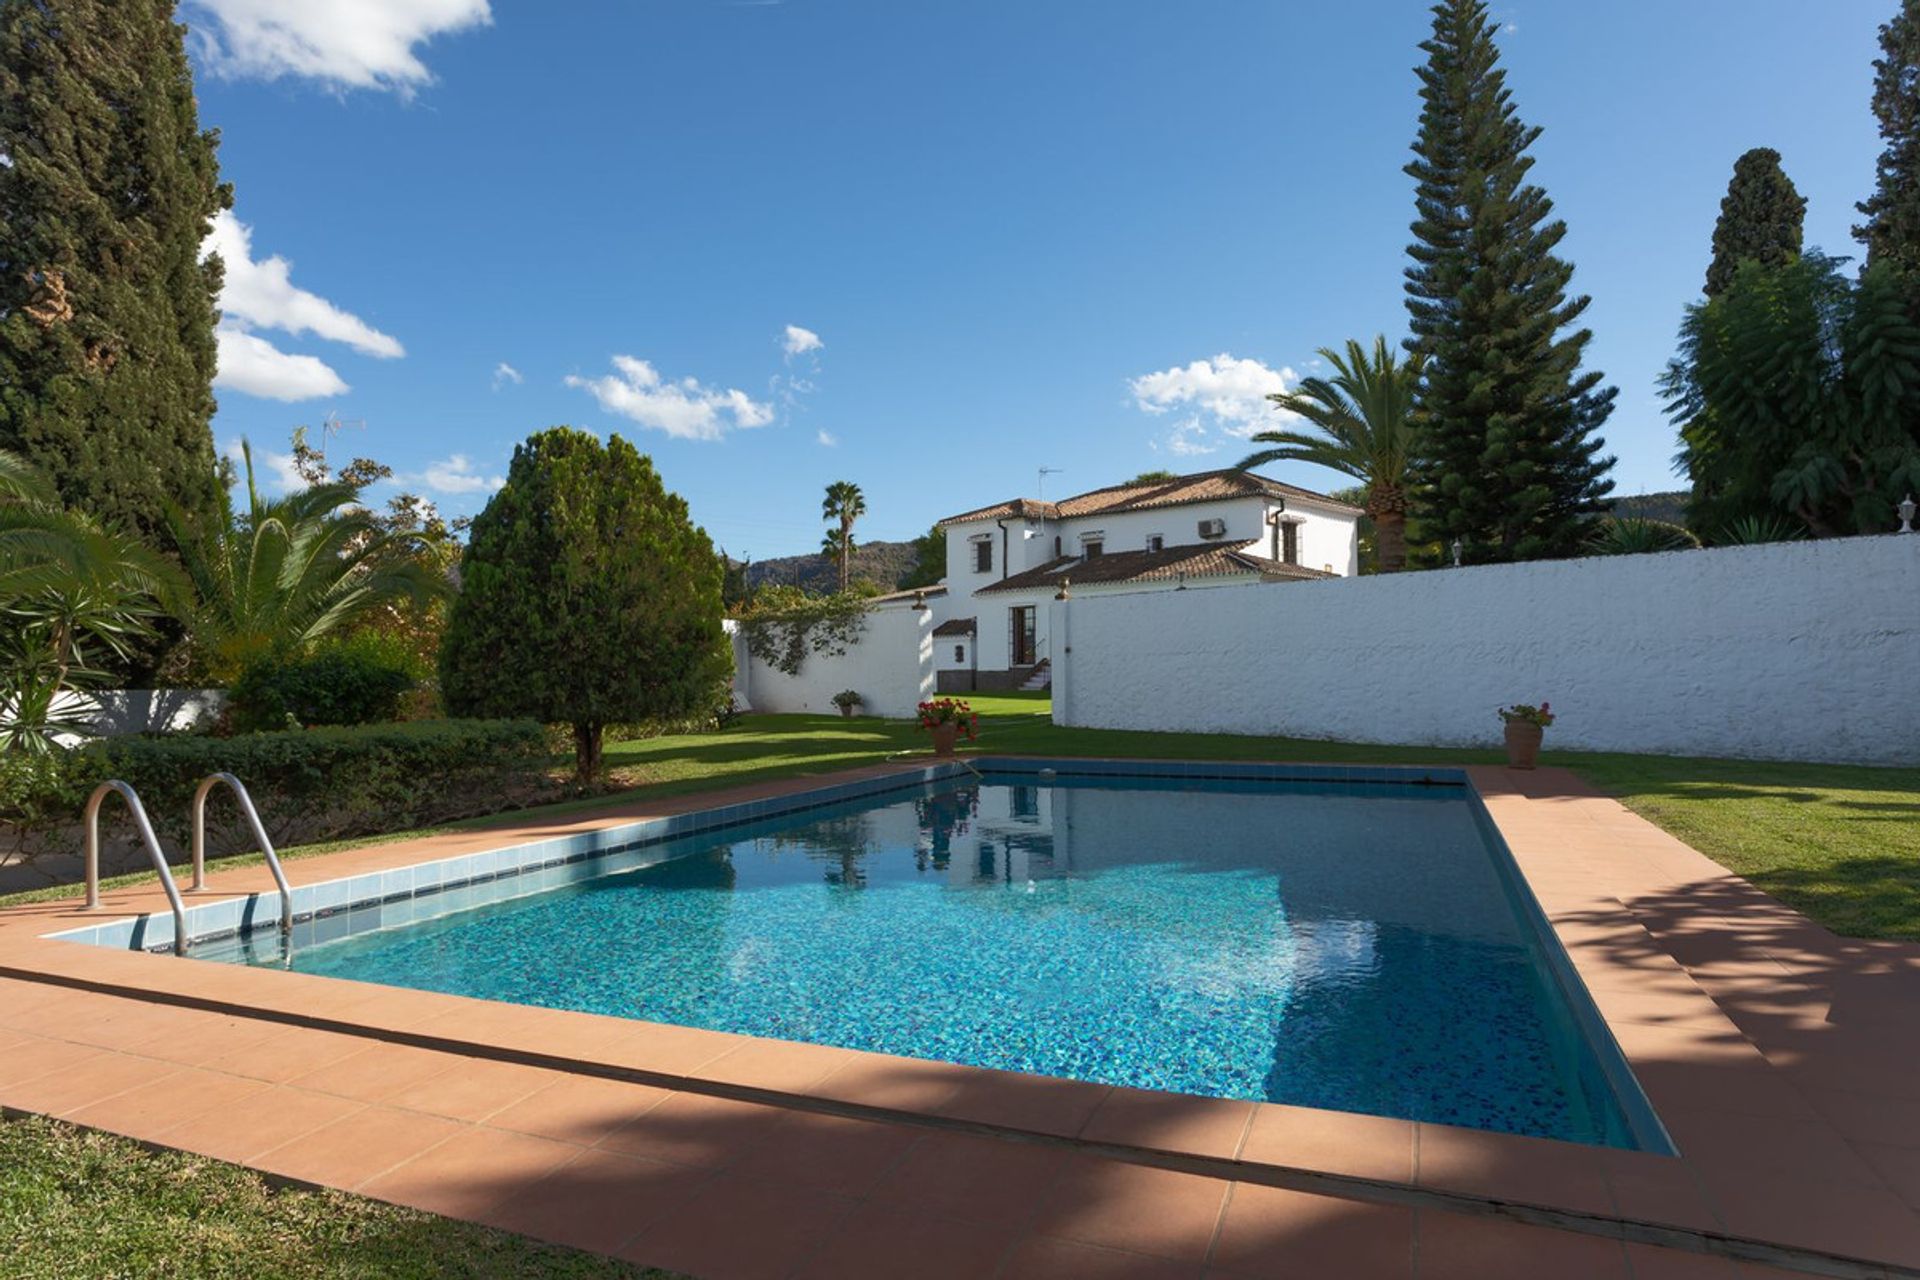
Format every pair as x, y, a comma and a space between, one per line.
152, 843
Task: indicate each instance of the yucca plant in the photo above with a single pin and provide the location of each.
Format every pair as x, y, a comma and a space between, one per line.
295, 569
1637, 535
1363, 420
1752, 530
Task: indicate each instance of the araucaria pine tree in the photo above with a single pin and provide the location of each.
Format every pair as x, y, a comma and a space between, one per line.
1509, 456
1762, 219
106, 310
1892, 228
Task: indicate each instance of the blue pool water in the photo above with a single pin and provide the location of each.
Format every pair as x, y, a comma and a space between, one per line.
1356, 948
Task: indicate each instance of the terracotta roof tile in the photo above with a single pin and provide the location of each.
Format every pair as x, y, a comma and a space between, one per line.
1206, 486
1202, 560
955, 627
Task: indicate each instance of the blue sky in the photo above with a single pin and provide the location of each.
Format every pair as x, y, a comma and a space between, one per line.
932, 247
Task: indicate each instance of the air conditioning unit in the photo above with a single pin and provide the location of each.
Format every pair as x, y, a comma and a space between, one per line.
1213, 528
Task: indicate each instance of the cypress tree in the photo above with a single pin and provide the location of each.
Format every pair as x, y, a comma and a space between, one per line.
1761, 219
1892, 229
1509, 459
107, 313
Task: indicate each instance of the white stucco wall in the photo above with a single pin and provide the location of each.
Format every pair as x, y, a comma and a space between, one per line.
113, 712
1794, 651
891, 667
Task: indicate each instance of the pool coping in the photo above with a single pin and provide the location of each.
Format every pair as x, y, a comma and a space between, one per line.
1584, 860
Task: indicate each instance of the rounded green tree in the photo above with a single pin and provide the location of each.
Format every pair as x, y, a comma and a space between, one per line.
588, 597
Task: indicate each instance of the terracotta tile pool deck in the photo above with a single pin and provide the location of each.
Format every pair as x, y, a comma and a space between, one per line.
1781, 1058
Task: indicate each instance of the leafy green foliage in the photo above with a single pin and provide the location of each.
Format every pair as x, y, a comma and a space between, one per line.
844, 503
296, 569
1363, 427
106, 310
1797, 395
314, 784
1510, 461
1761, 219
1635, 535
358, 680
786, 624
929, 560
1750, 531
588, 597
1892, 227
1160, 476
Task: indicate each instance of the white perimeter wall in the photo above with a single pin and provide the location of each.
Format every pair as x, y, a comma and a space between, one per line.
1793, 651
891, 667
113, 712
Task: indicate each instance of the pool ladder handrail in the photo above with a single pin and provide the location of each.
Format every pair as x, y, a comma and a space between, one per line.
152, 843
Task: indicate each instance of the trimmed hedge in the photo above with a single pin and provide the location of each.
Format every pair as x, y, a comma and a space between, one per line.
348, 683
309, 785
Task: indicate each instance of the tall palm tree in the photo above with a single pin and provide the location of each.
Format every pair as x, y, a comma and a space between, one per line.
295, 569
1363, 420
845, 503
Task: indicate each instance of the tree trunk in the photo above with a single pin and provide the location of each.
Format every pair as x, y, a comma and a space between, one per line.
1390, 541
586, 752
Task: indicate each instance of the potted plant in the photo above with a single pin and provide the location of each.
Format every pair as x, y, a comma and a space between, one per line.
946, 719
1526, 725
846, 700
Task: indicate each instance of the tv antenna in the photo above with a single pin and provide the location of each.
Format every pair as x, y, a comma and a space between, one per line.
332, 425
1044, 473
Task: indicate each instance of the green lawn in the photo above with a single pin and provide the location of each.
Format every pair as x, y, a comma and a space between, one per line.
80, 1203
1840, 843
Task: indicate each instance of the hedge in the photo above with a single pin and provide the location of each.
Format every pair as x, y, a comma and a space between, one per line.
309, 784
353, 682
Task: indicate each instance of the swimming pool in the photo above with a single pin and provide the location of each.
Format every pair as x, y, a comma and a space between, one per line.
1360, 945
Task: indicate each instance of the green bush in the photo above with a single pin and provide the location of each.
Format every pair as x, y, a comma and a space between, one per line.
360, 680
318, 784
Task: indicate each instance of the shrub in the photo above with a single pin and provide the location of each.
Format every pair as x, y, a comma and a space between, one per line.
360, 680
320, 784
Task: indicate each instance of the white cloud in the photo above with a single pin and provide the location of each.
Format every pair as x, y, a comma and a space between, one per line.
348, 44
1226, 395
827, 438
261, 294
503, 373
249, 363
683, 409
454, 475
798, 342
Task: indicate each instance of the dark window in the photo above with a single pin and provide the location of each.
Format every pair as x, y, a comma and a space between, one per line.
1290, 543
1156, 543
1025, 801
983, 556
1092, 549
959, 653
1056, 546
1020, 635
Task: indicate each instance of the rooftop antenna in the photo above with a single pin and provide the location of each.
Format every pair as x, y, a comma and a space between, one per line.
1044, 473
332, 425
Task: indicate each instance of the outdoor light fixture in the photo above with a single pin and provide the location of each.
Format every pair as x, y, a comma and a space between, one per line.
1456, 553
1906, 514
1062, 593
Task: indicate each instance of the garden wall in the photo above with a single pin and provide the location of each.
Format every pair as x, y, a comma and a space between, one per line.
891, 667
1791, 651
122, 711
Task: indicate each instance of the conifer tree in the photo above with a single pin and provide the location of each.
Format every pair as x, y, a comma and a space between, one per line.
1761, 220
107, 312
1892, 229
1509, 459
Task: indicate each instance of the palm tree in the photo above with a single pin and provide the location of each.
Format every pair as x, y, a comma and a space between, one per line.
72, 593
296, 569
1363, 417
845, 503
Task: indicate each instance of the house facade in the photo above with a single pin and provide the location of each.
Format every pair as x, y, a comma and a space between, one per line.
1214, 529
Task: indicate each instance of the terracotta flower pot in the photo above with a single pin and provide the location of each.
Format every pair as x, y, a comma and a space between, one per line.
847, 710
944, 736
1523, 744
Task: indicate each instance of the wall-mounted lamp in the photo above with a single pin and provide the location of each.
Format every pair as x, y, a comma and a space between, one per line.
1456, 553
919, 600
1062, 593
1906, 510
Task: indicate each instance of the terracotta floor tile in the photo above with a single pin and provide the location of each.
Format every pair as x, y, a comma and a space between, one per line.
599, 1201
86, 1083
473, 1089
848, 1157
1037, 1104
883, 1080
1865, 1117
1130, 1207
1170, 1122
1730, 1147
1037, 1258
695, 1130
776, 1064
179, 1097
885, 1240
992, 1181
1672, 1198
376, 1073
1898, 1167
1854, 1221
1335, 1141
472, 1172
358, 1147
1272, 1232
258, 1122
40, 1058
1650, 1263
289, 1052
736, 1228
1456, 1247
1758, 1091
1561, 1175
581, 1109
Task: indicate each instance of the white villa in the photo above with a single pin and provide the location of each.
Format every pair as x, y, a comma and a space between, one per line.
1006, 562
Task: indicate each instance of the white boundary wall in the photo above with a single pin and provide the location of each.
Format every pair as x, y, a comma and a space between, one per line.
114, 712
890, 667
1791, 651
